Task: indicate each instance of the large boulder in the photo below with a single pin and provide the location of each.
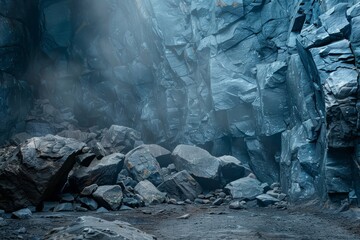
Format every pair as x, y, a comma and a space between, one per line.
120, 139
100, 172
245, 188
142, 165
181, 186
35, 170
162, 155
109, 196
96, 228
232, 169
204, 167
149, 192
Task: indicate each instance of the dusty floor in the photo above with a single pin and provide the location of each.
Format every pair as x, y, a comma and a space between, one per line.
208, 223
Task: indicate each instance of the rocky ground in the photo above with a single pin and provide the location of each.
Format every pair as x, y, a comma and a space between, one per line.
204, 222
107, 184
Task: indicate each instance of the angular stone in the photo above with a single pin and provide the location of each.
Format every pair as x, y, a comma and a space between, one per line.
244, 188
100, 172
199, 163
24, 213
85, 159
162, 155
89, 203
87, 227
109, 197
142, 165
232, 169
119, 139
36, 170
89, 190
149, 192
181, 186
64, 207
265, 200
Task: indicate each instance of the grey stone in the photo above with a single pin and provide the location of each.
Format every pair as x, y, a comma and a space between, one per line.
237, 205
67, 197
181, 186
143, 165
244, 188
162, 155
85, 159
64, 207
24, 213
265, 200
199, 163
100, 172
149, 192
88, 203
89, 190
109, 197
44, 165
119, 139
87, 227
232, 169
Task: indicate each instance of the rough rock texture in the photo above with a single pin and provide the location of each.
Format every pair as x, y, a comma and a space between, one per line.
88, 227
100, 172
274, 83
32, 172
204, 167
149, 192
109, 196
232, 169
181, 186
245, 188
142, 165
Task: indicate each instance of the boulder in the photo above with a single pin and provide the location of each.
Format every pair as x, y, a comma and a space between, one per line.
24, 213
246, 188
149, 192
109, 197
100, 172
142, 165
36, 170
181, 186
162, 155
204, 167
232, 169
64, 207
265, 200
89, 190
88, 203
120, 139
88, 227
85, 159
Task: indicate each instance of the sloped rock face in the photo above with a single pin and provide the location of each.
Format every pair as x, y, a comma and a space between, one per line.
273, 83
35, 170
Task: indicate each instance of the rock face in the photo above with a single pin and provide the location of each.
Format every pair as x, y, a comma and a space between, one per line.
204, 167
89, 227
35, 170
181, 186
274, 83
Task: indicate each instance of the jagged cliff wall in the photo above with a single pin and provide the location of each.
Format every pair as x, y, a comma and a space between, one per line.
274, 83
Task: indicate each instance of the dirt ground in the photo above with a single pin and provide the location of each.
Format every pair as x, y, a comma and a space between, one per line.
206, 222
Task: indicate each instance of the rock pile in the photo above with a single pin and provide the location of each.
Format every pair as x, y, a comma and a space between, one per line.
54, 173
